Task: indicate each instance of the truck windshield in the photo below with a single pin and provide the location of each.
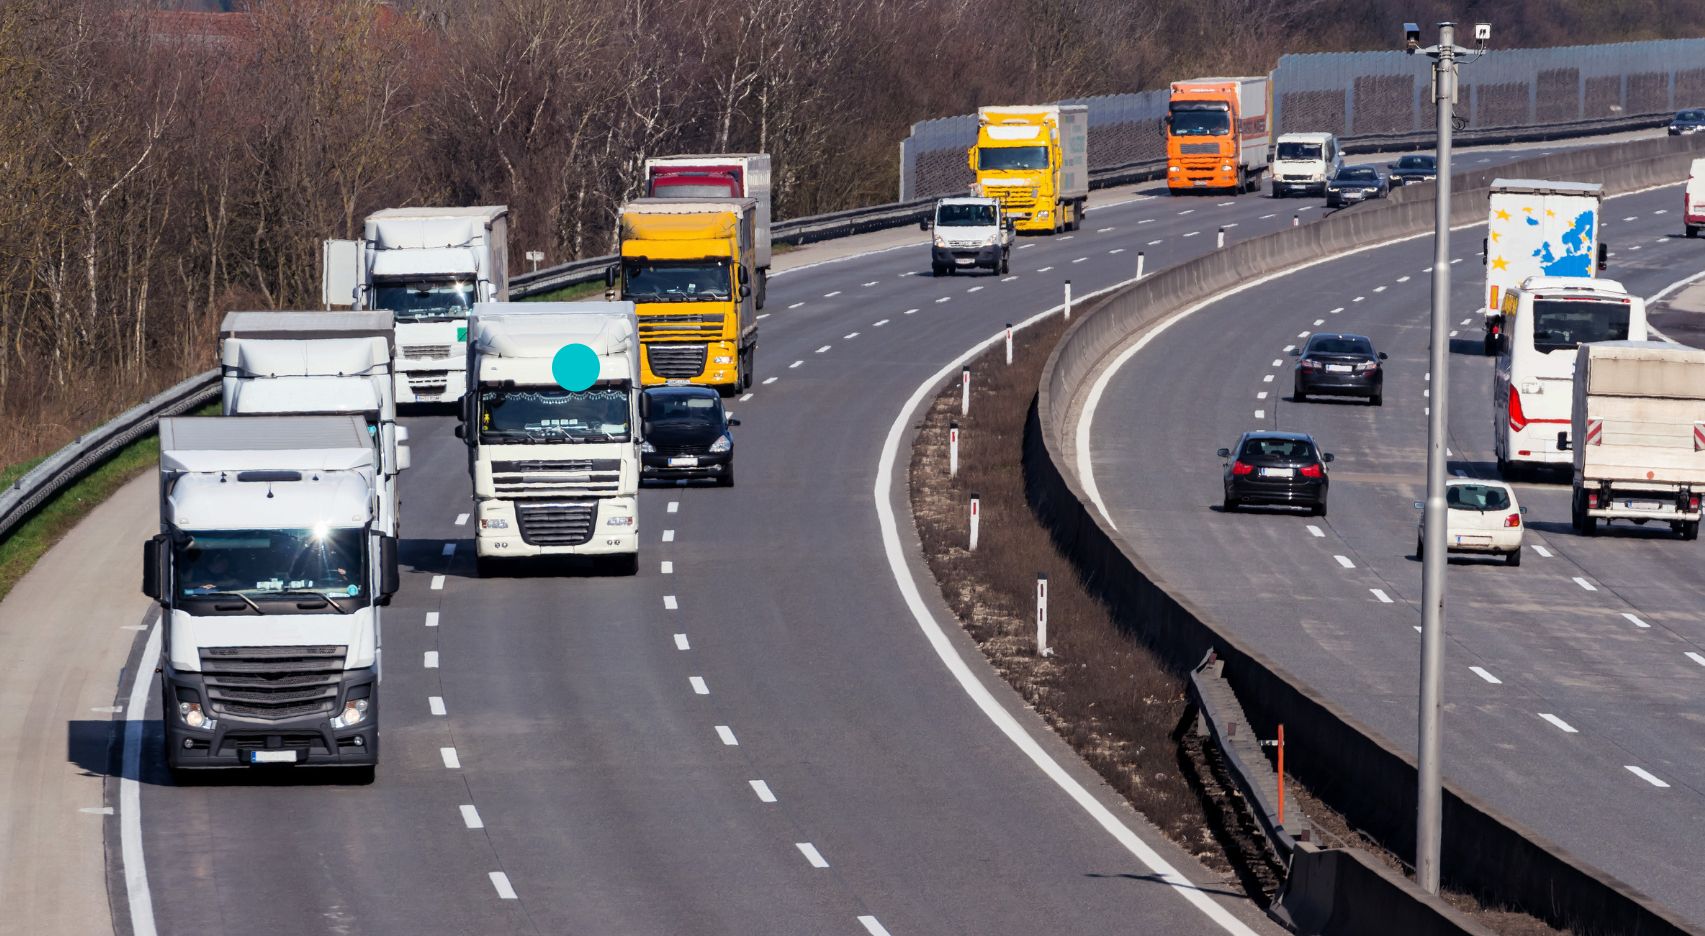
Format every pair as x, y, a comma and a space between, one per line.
1012, 157
1564, 324
421, 301
1299, 151
669, 281
693, 187
554, 415
261, 568
965, 216
1201, 123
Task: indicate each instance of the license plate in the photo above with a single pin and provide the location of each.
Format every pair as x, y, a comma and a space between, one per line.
1338, 368
684, 461
1201, 185
272, 757
964, 261
1278, 472
1642, 505
1473, 541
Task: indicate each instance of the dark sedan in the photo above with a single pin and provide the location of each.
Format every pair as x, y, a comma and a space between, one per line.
1687, 122
1276, 468
1353, 184
686, 436
1412, 169
1339, 365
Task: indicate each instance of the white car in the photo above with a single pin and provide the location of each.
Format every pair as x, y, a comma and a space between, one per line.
1484, 517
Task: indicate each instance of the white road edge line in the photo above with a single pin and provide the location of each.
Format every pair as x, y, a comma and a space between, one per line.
136, 891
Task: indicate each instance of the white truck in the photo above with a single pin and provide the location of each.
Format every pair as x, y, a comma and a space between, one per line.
1303, 163
553, 426
1639, 435
270, 570
427, 266
319, 364
1693, 200
969, 233
725, 175
1536, 228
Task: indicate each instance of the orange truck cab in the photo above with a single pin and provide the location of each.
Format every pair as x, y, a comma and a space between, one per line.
1218, 134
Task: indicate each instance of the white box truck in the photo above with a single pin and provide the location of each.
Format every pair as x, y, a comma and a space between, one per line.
1035, 159
319, 364
270, 570
1536, 228
428, 267
1639, 435
1693, 200
728, 175
553, 426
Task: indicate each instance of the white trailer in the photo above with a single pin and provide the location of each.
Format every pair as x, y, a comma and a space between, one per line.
725, 175
1537, 228
1639, 435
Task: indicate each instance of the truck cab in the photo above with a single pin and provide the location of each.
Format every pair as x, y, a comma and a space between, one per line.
1217, 134
1035, 161
553, 426
970, 233
270, 570
1303, 162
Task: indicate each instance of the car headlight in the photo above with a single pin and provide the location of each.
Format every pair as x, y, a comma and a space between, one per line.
194, 717
721, 445
722, 359
354, 713
497, 524
647, 447
619, 522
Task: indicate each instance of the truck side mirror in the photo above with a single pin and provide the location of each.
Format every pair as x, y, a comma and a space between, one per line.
390, 578
403, 460
745, 289
610, 276
645, 406
1563, 441
1603, 256
1011, 225
156, 567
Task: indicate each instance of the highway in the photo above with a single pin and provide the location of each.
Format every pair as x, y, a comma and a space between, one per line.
1572, 682
752, 735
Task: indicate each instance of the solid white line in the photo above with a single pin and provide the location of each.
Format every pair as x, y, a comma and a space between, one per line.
768, 381
1345, 562
461, 519
438, 583
699, 687
1643, 775
471, 817
1635, 619
432, 619
727, 735
811, 854
763, 790
1260, 414
451, 761
681, 642
1697, 658
431, 659
500, 881
137, 894
449, 549
673, 507
824, 348
667, 568
831, 295
435, 704
1542, 550
872, 926
1485, 675
669, 603
1585, 584
1316, 531
1381, 595
1562, 725
668, 536
796, 305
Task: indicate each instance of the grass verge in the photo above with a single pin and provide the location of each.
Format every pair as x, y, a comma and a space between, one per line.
570, 293
35, 536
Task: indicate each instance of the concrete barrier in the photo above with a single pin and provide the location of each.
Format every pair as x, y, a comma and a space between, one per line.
1371, 783
1347, 892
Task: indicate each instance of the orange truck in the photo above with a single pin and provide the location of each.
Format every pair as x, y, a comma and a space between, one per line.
1218, 134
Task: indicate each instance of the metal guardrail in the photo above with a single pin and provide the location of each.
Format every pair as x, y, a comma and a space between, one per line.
61, 469
1221, 716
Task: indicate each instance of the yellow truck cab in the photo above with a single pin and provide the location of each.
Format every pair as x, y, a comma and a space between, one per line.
1035, 161
687, 266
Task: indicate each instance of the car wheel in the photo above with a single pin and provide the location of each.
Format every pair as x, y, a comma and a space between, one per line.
1298, 395
726, 479
1379, 397
1513, 558
1320, 508
1229, 504
1420, 547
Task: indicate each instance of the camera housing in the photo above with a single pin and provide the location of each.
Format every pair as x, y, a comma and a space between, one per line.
1411, 38
1482, 32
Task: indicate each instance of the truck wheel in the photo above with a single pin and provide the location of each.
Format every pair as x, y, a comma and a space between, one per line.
748, 358
485, 567
763, 287
1585, 524
1006, 264
1692, 231
1689, 529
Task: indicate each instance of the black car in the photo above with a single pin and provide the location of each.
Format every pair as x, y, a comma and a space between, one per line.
1413, 169
1353, 184
686, 436
1687, 122
1339, 365
1276, 468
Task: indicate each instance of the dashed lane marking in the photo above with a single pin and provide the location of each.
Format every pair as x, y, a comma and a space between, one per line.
451, 761
811, 854
1478, 671
763, 790
1561, 725
1381, 595
1345, 562
727, 735
432, 619
435, 704
471, 817
1635, 619
500, 881
699, 687
681, 642
1646, 776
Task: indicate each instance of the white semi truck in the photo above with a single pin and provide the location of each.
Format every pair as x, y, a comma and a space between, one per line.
1639, 435
319, 364
553, 426
270, 569
1537, 228
427, 266
725, 175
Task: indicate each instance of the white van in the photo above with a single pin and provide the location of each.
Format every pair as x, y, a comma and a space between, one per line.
1302, 162
1693, 202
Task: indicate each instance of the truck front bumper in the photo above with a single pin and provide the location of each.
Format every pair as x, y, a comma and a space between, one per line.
988, 257
431, 386
234, 741
1284, 187
701, 363
557, 526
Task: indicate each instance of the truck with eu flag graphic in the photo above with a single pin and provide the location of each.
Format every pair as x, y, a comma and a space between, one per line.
553, 422
1536, 228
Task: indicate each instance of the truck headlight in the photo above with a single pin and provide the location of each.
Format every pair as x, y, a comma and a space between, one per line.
194, 717
619, 522
1225, 167
992, 240
722, 359
497, 524
721, 445
941, 242
354, 713
1043, 215
647, 447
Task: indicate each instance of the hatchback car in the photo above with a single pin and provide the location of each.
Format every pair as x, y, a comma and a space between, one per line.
1353, 184
1687, 122
687, 436
1275, 468
1481, 517
1339, 365
1413, 169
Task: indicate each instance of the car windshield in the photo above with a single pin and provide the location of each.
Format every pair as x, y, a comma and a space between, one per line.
553, 414
1012, 157
269, 564
1691, 115
682, 409
418, 301
1476, 497
965, 216
1358, 174
1565, 324
666, 281
1341, 345
1278, 449
1201, 123
1416, 162
1299, 151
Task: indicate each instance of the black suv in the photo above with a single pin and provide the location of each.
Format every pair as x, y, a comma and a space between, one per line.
1339, 365
686, 436
1275, 468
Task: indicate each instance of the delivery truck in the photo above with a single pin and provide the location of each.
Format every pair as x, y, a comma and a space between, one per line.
270, 569
1035, 160
729, 175
553, 427
1639, 435
1218, 135
1693, 200
1536, 228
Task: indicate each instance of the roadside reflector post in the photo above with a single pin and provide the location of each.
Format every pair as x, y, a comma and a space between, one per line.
965, 390
1068, 305
976, 515
1296, 219
1280, 745
1042, 648
1221, 243
953, 450
1140, 264
1009, 342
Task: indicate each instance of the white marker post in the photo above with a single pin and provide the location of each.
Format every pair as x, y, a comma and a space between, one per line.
1221, 244
535, 256
1042, 648
1296, 219
1009, 343
965, 390
1139, 264
976, 515
953, 450
1068, 305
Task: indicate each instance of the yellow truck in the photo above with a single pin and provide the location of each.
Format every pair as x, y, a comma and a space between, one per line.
689, 268
1035, 160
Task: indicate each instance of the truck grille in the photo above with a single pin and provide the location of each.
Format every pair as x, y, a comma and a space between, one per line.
1013, 197
1199, 149
424, 352
428, 384
272, 683
539, 476
558, 523
675, 360
687, 325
